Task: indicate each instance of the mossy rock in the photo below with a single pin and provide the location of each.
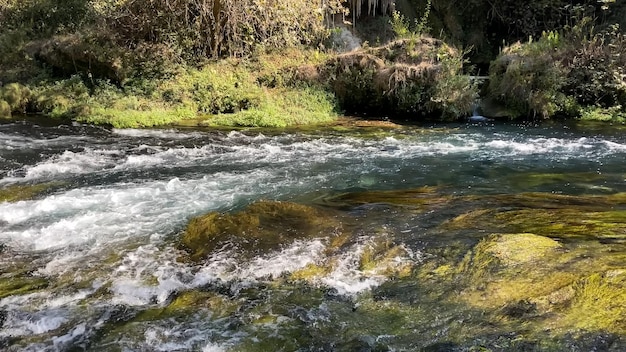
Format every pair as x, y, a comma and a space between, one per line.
529, 180
542, 282
414, 198
188, 302
17, 193
311, 272
19, 285
566, 224
542, 200
261, 227
599, 303
564, 217
517, 249
379, 256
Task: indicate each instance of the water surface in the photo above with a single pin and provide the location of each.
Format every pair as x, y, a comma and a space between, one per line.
101, 241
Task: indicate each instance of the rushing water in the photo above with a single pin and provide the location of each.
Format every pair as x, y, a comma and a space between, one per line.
101, 241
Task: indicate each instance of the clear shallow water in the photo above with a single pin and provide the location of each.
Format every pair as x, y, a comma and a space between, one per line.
103, 237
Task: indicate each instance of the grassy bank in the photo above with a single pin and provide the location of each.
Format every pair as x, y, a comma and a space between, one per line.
144, 63
256, 91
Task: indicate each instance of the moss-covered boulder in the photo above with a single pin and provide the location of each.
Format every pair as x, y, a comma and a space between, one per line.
93, 55
417, 198
20, 284
261, 227
17, 193
189, 302
556, 216
537, 279
407, 78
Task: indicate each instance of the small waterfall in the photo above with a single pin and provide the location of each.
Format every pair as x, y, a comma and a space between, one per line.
476, 114
345, 41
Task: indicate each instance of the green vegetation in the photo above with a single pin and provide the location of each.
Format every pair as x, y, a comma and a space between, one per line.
258, 63
417, 78
575, 72
139, 63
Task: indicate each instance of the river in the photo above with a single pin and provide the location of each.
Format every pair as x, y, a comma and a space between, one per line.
93, 261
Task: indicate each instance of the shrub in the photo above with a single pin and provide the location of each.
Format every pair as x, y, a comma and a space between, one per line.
561, 72
219, 88
410, 78
528, 79
5, 109
213, 28
612, 114
16, 95
46, 17
597, 69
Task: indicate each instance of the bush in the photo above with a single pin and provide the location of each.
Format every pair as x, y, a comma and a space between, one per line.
214, 28
528, 79
16, 95
412, 77
561, 73
597, 69
44, 18
5, 109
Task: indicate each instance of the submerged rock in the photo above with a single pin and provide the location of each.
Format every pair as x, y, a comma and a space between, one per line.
17, 193
19, 285
261, 227
414, 198
544, 283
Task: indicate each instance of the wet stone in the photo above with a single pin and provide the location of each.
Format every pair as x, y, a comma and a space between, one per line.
261, 227
17, 193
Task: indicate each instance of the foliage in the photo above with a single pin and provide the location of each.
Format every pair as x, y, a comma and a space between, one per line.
403, 28
400, 25
407, 78
597, 74
528, 79
43, 18
16, 96
562, 72
212, 28
612, 114
5, 109
261, 92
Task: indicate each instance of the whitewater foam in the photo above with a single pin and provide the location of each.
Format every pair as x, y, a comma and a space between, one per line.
97, 216
157, 133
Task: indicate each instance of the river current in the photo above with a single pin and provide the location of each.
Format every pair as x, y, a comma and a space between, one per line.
100, 242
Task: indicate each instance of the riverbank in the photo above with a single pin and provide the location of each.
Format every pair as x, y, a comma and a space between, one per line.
416, 78
94, 70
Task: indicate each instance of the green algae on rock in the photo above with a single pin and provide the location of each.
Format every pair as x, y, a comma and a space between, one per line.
17, 193
188, 302
263, 226
415, 198
543, 283
19, 285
